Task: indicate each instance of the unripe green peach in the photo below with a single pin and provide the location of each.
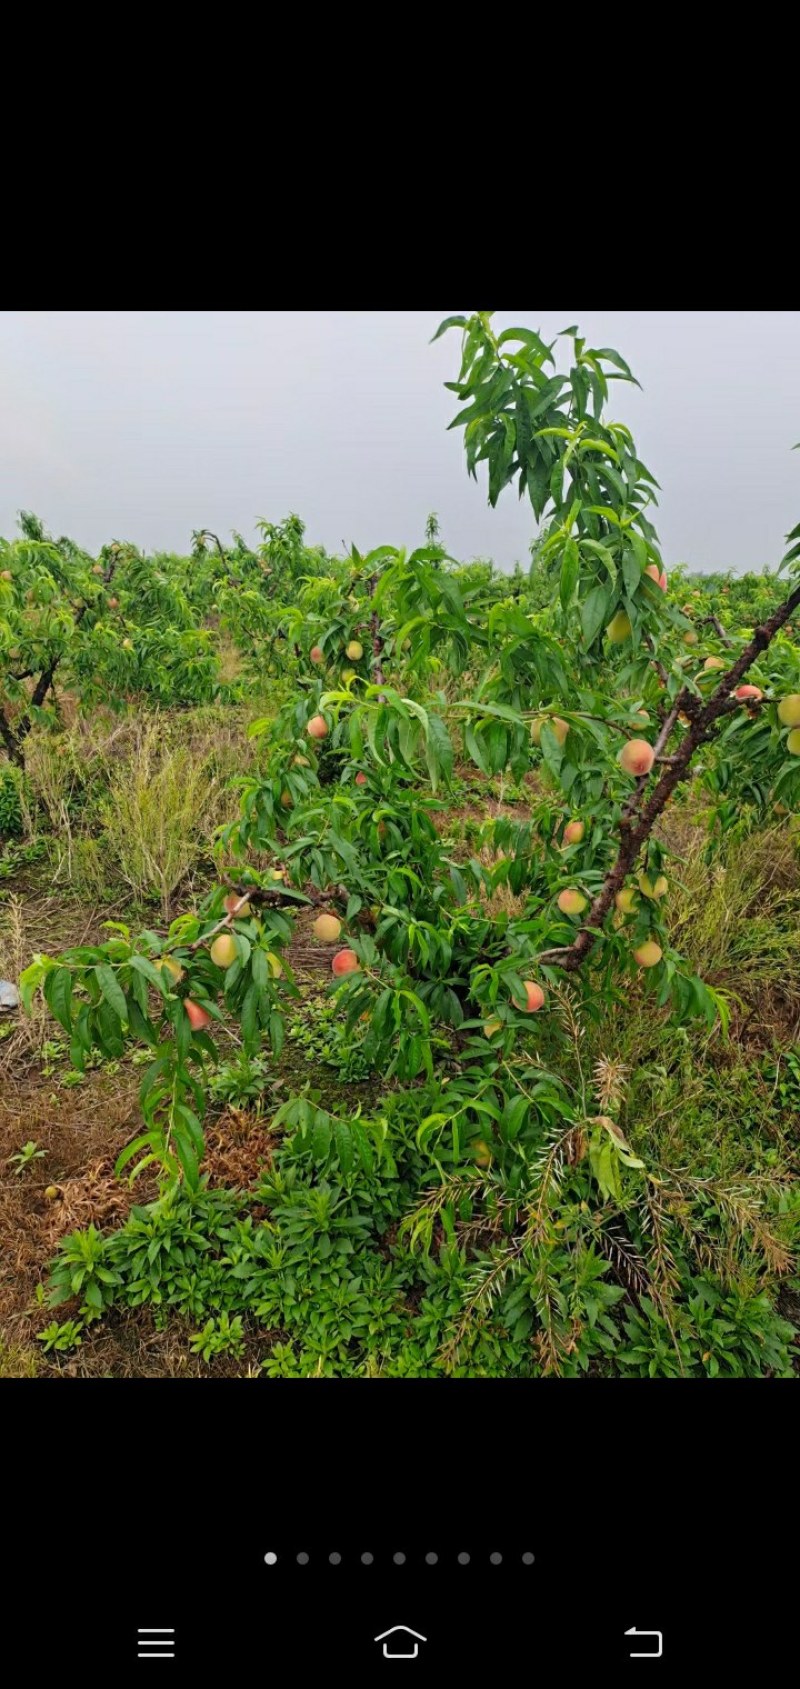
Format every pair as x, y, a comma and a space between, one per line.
559, 727
619, 628
789, 710
626, 901
170, 966
654, 888
223, 951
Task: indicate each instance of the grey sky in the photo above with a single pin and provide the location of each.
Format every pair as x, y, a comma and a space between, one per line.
144, 425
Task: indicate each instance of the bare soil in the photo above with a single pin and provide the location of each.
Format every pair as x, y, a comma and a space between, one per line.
82, 1130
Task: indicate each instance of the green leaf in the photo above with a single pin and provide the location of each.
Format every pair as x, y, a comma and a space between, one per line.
570, 568
344, 1145
112, 991
609, 356
449, 322
58, 995
604, 555
321, 1138
528, 337
144, 966
631, 572
594, 611
31, 978
249, 1019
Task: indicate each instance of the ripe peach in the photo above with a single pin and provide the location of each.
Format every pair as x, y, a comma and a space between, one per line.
789, 710
316, 654
648, 954
662, 580
691, 638
571, 901
223, 951
573, 832
534, 998
345, 962
636, 757
317, 727
198, 1018
745, 692
327, 928
654, 572
361, 778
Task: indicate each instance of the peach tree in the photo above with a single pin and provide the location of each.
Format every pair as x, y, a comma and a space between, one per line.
602, 700
106, 628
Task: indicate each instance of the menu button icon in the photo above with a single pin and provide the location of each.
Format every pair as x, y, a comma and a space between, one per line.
156, 1644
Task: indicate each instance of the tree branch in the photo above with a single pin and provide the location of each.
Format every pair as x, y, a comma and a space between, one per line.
377, 641
714, 622
635, 834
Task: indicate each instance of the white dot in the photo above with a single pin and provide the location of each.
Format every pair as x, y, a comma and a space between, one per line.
270, 1559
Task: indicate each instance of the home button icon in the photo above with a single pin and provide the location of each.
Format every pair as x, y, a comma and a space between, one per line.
401, 1642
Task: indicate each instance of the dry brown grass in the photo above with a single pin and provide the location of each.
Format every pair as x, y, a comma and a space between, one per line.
502, 900
159, 786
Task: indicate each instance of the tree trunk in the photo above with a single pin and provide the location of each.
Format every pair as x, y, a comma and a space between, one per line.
640, 814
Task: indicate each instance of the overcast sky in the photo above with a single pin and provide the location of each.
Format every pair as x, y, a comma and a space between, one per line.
145, 425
